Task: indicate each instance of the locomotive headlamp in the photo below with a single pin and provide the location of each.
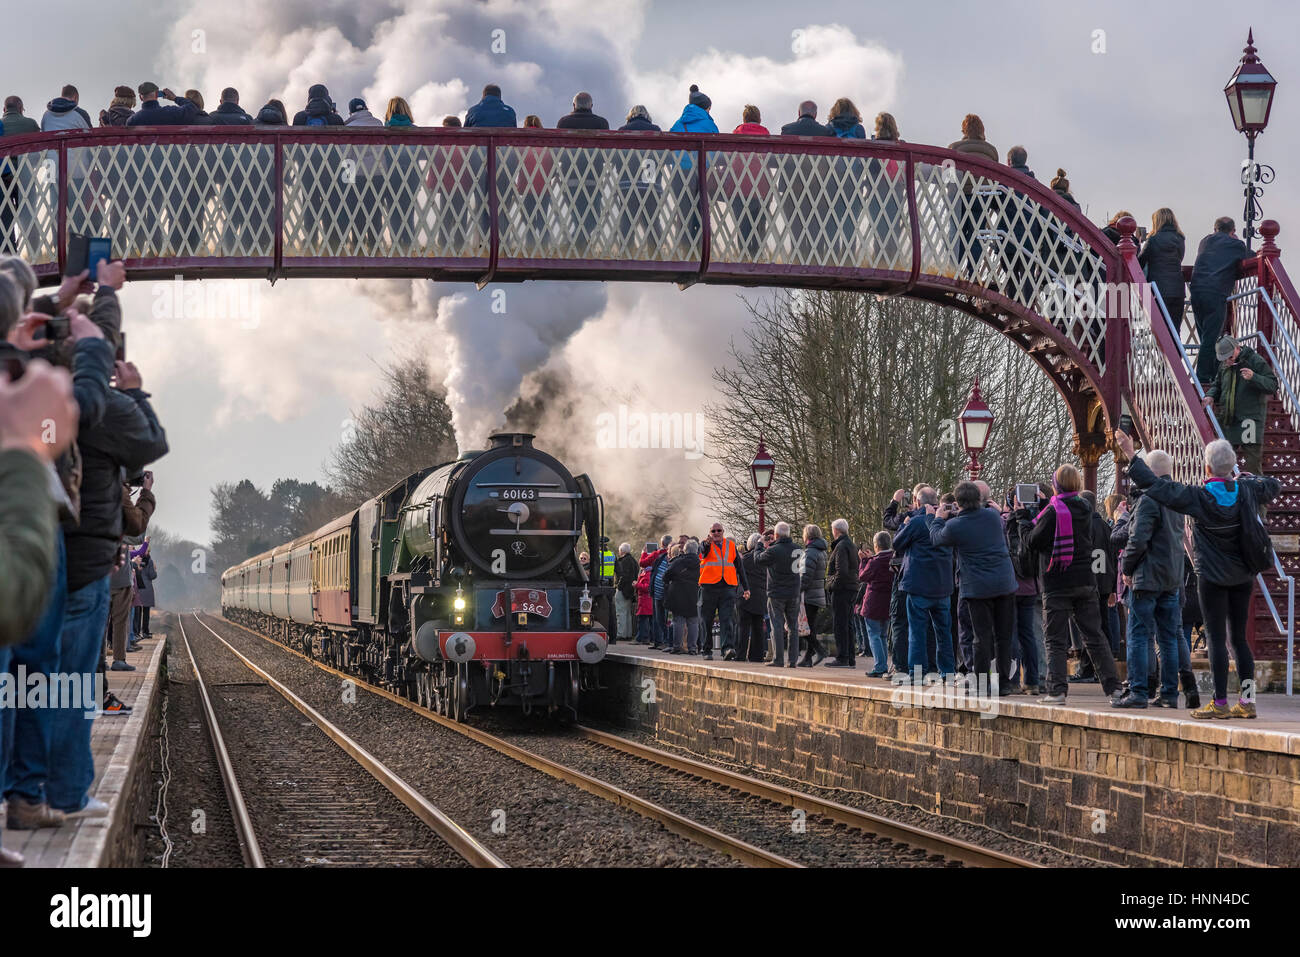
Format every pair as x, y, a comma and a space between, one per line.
458, 607
584, 607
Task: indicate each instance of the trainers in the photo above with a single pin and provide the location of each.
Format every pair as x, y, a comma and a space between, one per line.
1211, 710
27, 815
121, 666
1242, 710
1052, 699
94, 808
113, 705
1165, 701
10, 858
1129, 700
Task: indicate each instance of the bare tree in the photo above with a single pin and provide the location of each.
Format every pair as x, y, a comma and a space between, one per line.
856, 396
406, 429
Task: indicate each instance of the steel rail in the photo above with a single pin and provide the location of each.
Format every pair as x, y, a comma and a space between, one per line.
460, 840
671, 820
249, 848
951, 848
861, 820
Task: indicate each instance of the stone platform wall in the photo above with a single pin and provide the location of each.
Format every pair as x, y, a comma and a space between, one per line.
1113, 787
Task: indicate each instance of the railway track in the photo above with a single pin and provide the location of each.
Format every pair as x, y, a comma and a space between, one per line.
781, 827
315, 796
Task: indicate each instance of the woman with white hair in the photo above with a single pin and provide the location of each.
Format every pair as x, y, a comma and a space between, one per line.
1219, 507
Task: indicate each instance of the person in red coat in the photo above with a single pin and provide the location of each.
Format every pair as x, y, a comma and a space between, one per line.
748, 187
879, 579
645, 606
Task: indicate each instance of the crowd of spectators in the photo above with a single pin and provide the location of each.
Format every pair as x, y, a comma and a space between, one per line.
994, 598
76, 432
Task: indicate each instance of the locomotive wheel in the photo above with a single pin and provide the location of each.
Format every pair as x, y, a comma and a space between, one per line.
460, 693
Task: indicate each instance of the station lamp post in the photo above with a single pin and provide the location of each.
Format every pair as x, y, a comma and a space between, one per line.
976, 424
1250, 98
761, 471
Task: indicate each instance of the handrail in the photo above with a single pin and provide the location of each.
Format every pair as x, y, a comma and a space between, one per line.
1289, 627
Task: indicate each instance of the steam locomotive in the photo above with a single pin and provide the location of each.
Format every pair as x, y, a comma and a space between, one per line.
459, 587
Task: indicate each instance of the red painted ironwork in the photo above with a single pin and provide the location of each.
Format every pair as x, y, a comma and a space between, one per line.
939, 198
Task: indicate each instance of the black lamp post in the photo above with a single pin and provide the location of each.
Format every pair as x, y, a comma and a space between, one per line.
1250, 99
761, 471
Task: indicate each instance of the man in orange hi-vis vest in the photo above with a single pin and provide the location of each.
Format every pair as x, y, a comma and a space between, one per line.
721, 573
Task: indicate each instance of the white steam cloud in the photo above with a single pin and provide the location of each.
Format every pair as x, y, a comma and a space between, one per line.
649, 345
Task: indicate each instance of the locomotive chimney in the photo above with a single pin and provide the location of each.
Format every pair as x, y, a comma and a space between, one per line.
519, 440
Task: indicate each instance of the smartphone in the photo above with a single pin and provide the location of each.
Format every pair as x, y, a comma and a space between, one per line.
121, 347
85, 253
1026, 493
652, 546
1126, 425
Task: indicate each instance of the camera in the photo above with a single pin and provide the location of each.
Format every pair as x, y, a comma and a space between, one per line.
56, 329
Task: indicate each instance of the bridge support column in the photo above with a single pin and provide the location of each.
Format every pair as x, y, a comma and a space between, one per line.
1090, 447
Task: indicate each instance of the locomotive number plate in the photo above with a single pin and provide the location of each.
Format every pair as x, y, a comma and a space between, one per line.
526, 601
519, 494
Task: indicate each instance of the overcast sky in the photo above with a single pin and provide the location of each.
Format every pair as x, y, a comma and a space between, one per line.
1142, 125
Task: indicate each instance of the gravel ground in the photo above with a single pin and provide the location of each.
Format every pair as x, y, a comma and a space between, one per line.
311, 804
902, 813
545, 822
195, 782
814, 841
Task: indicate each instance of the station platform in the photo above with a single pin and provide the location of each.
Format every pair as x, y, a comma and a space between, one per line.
1150, 787
122, 759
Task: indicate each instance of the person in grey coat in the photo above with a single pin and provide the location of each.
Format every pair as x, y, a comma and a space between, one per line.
816, 557
1153, 570
782, 561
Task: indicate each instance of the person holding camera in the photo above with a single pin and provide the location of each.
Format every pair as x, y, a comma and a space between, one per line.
928, 583
1240, 391
135, 521
987, 580
1060, 540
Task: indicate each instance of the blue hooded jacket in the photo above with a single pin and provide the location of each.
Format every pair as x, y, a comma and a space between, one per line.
694, 119
490, 111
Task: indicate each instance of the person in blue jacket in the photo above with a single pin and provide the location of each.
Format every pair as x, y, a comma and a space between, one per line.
988, 581
927, 580
491, 110
695, 118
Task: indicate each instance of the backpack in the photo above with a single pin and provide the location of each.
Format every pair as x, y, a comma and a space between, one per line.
316, 121
1256, 544
1023, 563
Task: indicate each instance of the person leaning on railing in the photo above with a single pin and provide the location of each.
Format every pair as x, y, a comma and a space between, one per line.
1240, 394
1225, 580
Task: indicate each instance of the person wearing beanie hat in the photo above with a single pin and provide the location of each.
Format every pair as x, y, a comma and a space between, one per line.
695, 118
1240, 394
360, 115
319, 110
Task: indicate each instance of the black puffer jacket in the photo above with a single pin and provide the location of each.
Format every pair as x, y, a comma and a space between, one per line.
128, 438
682, 586
1216, 532
779, 560
229, 114
1162, 258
